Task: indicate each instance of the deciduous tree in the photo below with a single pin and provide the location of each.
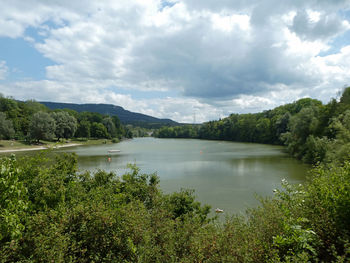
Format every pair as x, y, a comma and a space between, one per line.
66, 125
6, 127
42, 126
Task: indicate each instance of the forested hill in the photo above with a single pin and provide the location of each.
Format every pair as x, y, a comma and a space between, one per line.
312, 131
125, 116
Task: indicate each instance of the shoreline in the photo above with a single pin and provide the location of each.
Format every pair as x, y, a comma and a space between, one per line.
39, 148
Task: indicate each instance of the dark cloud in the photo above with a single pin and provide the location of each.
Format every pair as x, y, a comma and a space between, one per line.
204, 62
327, 26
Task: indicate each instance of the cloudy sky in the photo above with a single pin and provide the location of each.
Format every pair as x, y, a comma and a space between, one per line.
178, 59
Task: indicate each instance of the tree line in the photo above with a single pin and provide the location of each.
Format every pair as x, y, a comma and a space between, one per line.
32, 121
312, 131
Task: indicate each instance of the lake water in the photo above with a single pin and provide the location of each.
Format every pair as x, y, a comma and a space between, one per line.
226, 175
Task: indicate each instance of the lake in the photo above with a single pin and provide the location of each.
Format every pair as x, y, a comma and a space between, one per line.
227, 175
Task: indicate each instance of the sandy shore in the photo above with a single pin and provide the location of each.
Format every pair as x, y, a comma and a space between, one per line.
39, 148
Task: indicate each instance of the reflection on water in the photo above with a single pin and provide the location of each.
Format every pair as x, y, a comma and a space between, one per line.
223, 174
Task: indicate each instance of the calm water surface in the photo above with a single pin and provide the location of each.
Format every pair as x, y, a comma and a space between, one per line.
227, 175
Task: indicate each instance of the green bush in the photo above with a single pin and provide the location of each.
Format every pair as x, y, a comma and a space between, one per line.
52, 213
13, 201
115, 140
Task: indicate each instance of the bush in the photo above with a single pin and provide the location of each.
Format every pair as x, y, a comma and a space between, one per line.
115, 140
52, 213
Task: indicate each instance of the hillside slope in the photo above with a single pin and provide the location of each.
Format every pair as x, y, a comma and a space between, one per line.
125, 116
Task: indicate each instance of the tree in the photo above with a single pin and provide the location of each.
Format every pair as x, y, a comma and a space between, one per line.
118, 126
305, 123
345, 98
281, 125
304, 103
42, 126
84, 129
109, 124
128, 133
66, 125
263, 128
32, 107
90, 116
13, 201
10, 107
301, 126
98, 130
6, 127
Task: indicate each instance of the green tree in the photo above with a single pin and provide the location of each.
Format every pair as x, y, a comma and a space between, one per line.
298, 105
281, 124
98, 130
301, 126
13, 201
33, 106
263, 129
10, 107
339, 146
42, 126
90, 116
84, 129
6, 127
110, 126
66, 125
345, 98
118, 126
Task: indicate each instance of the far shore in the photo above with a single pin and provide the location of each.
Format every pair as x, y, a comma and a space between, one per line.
12, 146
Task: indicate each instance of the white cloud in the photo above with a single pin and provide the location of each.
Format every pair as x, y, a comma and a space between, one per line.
3, 70
303, 48
220, 57
229, 23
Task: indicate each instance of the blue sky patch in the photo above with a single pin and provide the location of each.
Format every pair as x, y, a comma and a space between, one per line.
337, 44
165, 4
22, 59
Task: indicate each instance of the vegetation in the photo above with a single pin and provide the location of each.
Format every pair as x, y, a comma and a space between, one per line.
42, 126
66, 125
31, 120
312, 132
126, 117
51, 213
6, 127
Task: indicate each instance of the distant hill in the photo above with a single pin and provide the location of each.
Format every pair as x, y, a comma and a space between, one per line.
125, 116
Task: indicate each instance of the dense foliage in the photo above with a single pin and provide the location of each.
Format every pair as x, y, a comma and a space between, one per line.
51, 213
6, 127
31, 120
311, 131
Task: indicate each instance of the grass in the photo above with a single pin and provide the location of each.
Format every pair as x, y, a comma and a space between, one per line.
14, 145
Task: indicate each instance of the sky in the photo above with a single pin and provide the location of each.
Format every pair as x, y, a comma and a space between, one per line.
190, 60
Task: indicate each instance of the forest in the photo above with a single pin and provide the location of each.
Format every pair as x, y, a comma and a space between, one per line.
31, 121
51, 212
310, 130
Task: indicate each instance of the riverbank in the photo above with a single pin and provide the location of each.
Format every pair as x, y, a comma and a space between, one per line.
9, 146
39, 148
